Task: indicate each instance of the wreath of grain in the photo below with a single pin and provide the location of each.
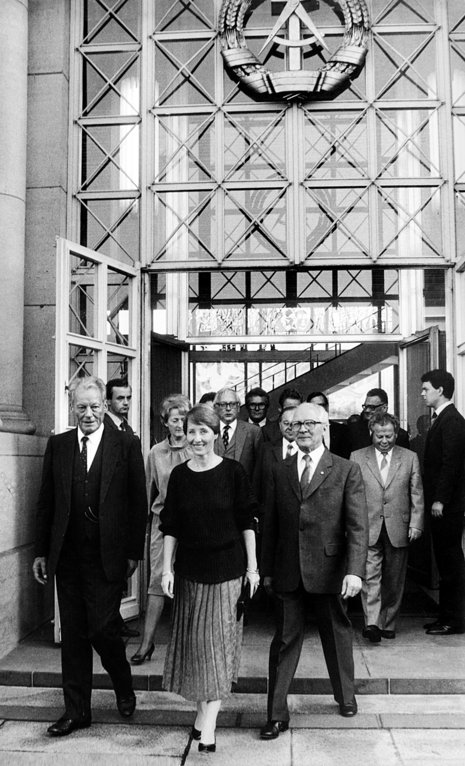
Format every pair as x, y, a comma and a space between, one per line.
343, 66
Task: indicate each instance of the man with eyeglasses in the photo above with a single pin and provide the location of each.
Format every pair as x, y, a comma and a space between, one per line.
314, 555
238, 440
376, 403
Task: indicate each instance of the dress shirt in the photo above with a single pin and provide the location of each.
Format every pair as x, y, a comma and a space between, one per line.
441, 408
316, 455
379, 457
93, 442
116, 420
261, 424
285, 446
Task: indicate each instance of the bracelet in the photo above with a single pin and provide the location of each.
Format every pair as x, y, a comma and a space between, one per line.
166, 573
252, 571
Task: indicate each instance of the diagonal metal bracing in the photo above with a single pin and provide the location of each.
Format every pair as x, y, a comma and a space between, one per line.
180, 6
111, 13
336, 220
334, 140
109, 231
258, 143
409, 218
256, 221
406, 68
183, 69
187, 145
186, 221
110, 83
394, 129
109, 155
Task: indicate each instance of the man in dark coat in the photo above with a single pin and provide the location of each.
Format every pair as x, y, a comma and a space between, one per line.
91, 519
314, 549
444, 486
118, 396
376, 402
338, 434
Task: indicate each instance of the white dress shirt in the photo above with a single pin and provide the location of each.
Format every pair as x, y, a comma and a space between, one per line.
93, 443
285, 446
315, 455
379, 457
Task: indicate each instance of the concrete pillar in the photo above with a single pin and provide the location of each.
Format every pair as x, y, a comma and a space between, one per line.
13, 142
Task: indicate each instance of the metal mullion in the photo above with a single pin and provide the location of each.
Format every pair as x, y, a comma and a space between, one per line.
164, 111
420, 103
86, 50
430, 26
146, 158
220, 195
295, 234
107, 195
166, 186
258, 221
90, 255
84, 340
118, 348
183, 68
111, 13
181, 36
110, 84
235, 185
108, 157
410, 183
331, 183
126, 119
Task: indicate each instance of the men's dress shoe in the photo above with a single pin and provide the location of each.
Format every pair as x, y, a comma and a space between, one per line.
443, 630
434, 624
126, 705
348, 709
372, 633
127, 632
65, 726
388, 633
207, 748
273, 729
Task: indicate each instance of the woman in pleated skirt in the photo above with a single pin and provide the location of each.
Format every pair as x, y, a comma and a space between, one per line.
209, 552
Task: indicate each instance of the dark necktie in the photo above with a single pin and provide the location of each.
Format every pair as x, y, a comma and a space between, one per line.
83, 455
226, 436
289, 450
305, 478
123, 425
433, 419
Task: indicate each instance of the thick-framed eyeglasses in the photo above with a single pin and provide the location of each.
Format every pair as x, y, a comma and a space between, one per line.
308, 424
254, 406
226, 405
371, 407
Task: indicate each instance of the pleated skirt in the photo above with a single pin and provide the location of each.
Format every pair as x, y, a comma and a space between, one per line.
204, 651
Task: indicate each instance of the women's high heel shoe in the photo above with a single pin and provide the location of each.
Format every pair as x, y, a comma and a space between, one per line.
138, 658
207, 748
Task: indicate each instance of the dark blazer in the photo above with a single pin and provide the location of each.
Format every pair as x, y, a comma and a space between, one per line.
359, 436
444, 461
320, 537
271, 432
339, 439
122, 506
108, 421
245, 446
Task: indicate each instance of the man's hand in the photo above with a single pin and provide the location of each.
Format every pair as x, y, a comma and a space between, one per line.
39, 569
414, 534
268, 585
437, 509
351, 585
132, 566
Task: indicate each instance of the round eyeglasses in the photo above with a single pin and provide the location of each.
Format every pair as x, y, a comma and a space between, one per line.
308, 424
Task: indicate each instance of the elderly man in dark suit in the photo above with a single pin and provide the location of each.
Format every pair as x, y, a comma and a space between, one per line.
91, 519
314, 550
394, 493
238, 440
444, 484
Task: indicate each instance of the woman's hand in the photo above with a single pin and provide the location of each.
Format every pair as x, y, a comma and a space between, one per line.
167, 584
252, 576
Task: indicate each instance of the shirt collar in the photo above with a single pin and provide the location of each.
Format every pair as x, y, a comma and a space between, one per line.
442, 407
261, 424
380, 455
232, 427
116, 420
315, 454
94, 438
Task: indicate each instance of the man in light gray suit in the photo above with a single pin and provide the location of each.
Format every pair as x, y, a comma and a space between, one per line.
238, 440
394, 494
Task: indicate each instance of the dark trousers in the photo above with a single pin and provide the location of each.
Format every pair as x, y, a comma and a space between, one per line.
446, 533
89, 611
335, 631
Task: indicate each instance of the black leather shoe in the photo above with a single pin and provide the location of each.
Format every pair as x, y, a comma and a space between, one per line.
434, 624
207, 748
127, 632
388, 633
126, 705
443, 630
65, 725
372, 633
273, 729
348, 709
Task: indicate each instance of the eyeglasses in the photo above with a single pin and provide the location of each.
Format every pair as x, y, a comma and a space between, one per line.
308, 424
256, 406
226, 405
371, 407
286, 423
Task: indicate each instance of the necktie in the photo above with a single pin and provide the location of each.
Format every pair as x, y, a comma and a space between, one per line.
83, 455
289, 450
433, 419
226, 436
123, 425
384, 468
305, 478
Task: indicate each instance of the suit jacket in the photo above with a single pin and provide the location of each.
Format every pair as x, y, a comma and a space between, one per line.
122, 504
244, 446
339, 442
320, 537
108, 421
400, 502
444, 461
271, 432
359, 436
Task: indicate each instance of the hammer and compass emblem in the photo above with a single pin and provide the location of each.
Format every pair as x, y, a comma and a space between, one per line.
295, 82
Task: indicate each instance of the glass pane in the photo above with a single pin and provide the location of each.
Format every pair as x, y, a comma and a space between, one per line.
457, 57
409, 222
405, 65
335, 144
406, 12
118, 366
254, 147
186, 148
118, 316
82, 364
111, 227
185, 225
110, 158
255, 223
112, 22
173, 16
82, 296
460, 222
111, 83
408, 143
184, 72
337, 222
456, 12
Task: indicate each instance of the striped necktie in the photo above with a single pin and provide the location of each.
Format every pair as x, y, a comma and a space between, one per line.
226, 436
306, 474
83, 455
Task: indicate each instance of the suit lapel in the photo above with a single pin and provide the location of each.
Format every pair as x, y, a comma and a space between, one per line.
239, 436
111, 446
67, 463
394, 466
372, 464
320, 474
291, 467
